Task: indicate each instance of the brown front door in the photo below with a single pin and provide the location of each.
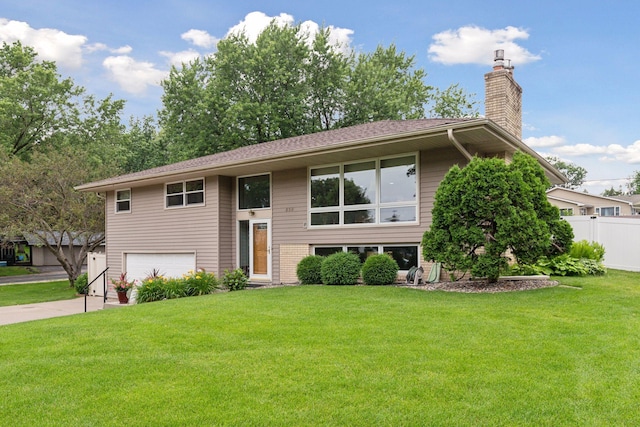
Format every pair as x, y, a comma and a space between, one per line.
260, 248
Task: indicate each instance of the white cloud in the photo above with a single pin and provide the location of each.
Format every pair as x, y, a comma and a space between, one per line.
50, 44
200, 38
544, 141
179, 58
97, 47
255, 22
475, 45
133, 76
612, 152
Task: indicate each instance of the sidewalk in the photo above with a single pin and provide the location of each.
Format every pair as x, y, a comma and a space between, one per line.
47, 274
46, 310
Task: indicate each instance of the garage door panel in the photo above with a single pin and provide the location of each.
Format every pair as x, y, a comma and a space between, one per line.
140, 265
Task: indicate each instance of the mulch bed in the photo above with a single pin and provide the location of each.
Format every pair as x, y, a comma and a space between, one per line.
482, 286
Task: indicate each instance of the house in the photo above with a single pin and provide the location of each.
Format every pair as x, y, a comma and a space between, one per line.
571, 202
367, 188
29, 251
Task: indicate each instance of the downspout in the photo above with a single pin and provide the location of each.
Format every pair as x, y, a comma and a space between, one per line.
457, 144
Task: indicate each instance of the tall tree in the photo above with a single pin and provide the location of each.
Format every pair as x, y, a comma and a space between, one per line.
489, 207
634, 183
38, 200
286, 84
576, 174
384, 85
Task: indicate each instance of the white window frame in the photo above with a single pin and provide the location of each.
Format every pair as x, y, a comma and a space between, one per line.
238, 192
379, 246
185, 193
377, 205
117, 202
616, 210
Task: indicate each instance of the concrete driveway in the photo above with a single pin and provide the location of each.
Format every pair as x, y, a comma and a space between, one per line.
44, 310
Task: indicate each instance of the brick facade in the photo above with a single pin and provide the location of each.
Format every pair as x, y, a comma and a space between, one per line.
290, 256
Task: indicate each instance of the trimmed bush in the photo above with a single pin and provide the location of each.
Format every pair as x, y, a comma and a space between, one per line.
235, 280
309, 270
379, 269
341, 268
81, 283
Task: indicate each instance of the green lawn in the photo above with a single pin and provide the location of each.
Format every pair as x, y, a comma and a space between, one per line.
321, 355
16, 271
30, 293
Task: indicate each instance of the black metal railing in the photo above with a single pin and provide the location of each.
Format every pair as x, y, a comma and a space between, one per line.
104, 287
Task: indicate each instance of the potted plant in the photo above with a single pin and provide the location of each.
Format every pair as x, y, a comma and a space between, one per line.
122, 286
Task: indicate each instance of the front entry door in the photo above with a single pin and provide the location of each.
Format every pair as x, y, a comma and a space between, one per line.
260, 246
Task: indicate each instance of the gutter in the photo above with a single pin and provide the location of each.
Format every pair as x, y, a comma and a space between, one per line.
457, 144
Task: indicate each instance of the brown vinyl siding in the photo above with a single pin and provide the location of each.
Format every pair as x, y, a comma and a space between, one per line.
149, 227
225, 221
290, 208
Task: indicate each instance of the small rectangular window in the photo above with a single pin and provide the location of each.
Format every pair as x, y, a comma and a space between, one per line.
185, 193
123, 200
254, 192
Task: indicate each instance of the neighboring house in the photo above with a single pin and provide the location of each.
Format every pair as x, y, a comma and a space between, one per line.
367, 188
28, 251
571, 202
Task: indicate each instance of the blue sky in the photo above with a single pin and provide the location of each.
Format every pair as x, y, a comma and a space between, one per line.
577, 61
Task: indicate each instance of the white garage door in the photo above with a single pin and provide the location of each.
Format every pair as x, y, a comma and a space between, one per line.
138, 266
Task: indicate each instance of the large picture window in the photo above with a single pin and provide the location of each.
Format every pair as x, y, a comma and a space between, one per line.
185, 193
254, 192
405, 255
377, 191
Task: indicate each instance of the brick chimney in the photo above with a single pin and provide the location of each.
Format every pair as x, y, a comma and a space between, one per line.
503, 96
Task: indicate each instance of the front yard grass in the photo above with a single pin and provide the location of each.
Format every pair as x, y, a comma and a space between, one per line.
29, 293
16, 271
336, 355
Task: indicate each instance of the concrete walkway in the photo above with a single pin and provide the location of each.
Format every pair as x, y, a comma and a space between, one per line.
46, 310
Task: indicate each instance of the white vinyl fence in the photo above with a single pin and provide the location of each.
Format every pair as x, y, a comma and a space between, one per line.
619, 236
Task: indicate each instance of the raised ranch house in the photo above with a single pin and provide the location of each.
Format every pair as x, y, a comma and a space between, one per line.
571, 203
367, 188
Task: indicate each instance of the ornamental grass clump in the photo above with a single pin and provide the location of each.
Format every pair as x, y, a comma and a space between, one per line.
341, 268
379, 269
309, 270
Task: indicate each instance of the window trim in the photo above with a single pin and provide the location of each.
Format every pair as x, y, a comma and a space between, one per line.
377, 206
380, 247
184, 193
238, 192
116, 201
616, 210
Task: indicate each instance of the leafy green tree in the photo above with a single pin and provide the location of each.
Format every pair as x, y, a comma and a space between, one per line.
38, 200
384, 85
286, 84
142, 146
40, 109
576, 174
612, 192
489, 207
634, 183
453, 102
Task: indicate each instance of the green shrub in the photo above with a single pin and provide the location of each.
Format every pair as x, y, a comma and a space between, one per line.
341, 268
81, 283
309, 270
200, 282
588, 250
235, 280
151, 289
525, 270
379, 269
